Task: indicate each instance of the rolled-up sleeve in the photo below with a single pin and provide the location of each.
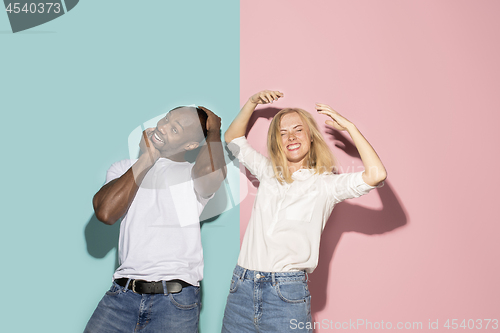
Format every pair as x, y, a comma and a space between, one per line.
347, 186
254, 161
116, 170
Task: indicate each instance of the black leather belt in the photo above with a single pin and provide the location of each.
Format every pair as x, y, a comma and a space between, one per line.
153, 287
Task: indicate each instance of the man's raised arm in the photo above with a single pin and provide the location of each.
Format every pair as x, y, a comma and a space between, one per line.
210, 168
113, 199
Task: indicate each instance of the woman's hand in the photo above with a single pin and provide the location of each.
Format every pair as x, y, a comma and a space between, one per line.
239, 125
339, 123
266, 97
375, 172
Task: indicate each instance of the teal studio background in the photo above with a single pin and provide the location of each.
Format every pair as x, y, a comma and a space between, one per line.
71, 92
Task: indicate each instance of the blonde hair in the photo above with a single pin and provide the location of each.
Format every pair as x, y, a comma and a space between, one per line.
319, 157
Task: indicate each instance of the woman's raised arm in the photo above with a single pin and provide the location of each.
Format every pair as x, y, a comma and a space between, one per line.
375, 172
239, 125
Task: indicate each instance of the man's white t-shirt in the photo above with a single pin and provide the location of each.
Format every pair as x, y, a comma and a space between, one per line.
160, 233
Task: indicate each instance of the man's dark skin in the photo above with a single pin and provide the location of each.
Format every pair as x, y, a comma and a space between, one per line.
175, 134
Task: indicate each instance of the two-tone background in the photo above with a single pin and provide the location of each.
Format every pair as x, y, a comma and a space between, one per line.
420, 79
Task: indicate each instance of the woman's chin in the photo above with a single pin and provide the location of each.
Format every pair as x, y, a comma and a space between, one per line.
295, 158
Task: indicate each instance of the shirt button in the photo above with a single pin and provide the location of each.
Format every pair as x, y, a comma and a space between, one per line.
258, 276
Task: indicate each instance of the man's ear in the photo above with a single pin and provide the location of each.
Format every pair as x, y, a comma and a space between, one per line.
191, 145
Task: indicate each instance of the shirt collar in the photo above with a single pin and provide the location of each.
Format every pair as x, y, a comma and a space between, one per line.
302, 174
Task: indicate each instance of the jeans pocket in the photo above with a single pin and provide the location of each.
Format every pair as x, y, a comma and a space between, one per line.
235, 282
292, 291
114, 290
187, 299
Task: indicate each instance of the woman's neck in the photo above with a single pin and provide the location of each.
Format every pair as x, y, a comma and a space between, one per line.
292, 167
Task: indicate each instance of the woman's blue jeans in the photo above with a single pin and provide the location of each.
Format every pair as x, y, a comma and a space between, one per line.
123, 311
267, 302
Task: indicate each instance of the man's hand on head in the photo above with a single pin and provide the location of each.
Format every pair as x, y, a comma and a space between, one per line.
213, 121
147, 148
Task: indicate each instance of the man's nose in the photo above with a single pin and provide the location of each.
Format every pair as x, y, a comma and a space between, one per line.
162, 128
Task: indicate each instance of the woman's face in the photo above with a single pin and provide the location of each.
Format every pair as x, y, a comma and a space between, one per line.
295, 139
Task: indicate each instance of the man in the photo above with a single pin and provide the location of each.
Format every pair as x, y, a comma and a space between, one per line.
160, 197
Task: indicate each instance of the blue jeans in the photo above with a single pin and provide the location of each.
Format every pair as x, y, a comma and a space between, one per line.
267, 302
123, 311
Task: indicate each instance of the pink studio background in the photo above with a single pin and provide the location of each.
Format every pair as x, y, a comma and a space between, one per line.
421, 81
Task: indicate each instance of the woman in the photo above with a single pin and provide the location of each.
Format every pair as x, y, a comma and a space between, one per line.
296, 195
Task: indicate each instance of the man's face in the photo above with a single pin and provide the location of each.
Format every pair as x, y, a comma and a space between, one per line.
178, 131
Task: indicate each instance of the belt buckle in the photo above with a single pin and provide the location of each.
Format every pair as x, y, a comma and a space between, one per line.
133, 285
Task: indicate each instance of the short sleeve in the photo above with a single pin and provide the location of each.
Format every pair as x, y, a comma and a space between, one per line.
116, 170
187, 202
347, 186
202, 201
255, 162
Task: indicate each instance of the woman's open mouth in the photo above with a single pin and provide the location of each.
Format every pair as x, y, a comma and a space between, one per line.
293, 147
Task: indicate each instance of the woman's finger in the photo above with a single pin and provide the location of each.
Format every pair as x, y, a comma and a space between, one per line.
338, 119
270, 97
335, 125
324, 107
328, 113
264, 96
320, 108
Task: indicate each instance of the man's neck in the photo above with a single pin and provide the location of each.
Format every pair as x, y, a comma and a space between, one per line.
179, 157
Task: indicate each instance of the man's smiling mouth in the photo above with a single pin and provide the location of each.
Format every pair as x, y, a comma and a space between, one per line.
158, 138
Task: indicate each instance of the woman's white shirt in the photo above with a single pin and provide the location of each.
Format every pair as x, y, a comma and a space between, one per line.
285, 226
